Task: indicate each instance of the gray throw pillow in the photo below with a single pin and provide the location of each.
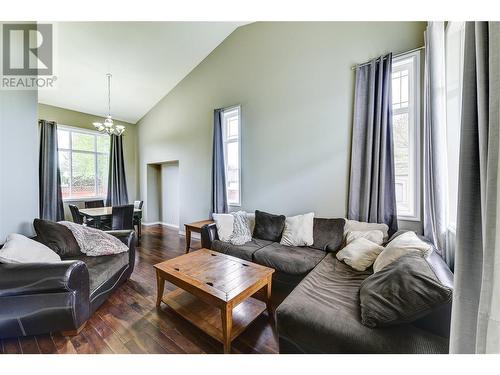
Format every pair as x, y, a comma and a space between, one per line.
328, 234
56, 237
268, 227
402, 292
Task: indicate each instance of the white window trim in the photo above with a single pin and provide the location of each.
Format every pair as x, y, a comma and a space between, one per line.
416, 129
225, 141
76, 129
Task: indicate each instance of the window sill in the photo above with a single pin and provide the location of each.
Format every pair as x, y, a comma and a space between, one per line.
409, 218
86, 199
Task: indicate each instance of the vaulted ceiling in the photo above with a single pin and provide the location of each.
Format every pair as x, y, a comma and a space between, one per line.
146, 60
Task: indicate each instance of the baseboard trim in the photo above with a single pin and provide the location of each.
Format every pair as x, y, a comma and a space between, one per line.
171, 226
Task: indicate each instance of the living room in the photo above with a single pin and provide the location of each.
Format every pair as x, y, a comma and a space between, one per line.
257, 187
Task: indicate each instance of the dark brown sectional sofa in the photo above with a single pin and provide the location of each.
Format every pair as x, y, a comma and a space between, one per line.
322, 312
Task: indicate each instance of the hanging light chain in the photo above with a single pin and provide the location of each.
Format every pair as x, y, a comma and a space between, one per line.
109, 94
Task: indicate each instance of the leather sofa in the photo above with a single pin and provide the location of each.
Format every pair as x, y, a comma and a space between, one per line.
37, 298
322, 313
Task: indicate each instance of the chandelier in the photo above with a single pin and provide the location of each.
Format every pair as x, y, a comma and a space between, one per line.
108, 127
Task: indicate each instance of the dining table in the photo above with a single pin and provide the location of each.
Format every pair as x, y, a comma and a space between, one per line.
98, 214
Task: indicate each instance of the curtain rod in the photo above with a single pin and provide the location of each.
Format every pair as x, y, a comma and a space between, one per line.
396, 55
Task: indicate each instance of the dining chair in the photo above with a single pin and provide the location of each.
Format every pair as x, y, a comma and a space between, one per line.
122, 217
138, 217
75, 213
94, 204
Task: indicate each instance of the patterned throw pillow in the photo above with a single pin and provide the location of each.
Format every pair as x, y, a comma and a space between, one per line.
241, 229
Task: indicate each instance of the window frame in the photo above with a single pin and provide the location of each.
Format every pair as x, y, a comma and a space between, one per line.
415, 126
225, 142
74, 129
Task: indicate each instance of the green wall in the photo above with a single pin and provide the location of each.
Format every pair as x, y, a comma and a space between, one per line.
84, 120
295, 86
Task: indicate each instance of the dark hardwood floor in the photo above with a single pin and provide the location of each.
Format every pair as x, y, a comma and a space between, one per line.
128, 322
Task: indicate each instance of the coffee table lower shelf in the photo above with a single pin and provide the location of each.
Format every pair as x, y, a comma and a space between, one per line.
209, 318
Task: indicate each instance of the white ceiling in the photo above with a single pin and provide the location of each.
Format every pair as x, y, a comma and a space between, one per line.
146, 59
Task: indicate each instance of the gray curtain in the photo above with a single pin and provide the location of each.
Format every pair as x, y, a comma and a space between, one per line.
475, 324
219, 195
117, 184
435, 173
49, 176
372, 196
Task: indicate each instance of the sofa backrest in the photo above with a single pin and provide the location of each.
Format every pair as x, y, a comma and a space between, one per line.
438, 321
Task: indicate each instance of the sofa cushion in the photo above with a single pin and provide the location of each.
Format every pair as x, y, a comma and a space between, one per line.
402, 292
102, 268
322, 315
403, 244
298, 230
328, 234
292, 260
360, 253
57, 237
268, 226
21, 249
354, 225
245, 251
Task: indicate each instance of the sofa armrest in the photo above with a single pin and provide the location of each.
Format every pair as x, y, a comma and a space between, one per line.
36, 278
208, 235
128, 237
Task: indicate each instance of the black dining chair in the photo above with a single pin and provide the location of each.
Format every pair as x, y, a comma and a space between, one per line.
75, 213
138, 217
94, 204
122, 217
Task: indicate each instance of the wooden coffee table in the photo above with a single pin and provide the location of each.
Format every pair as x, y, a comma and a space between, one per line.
215, 292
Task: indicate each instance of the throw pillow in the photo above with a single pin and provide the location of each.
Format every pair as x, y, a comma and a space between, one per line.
403, 244
360, 253
241, 231
268, 226
402, 292
224, 224
328, 234
353, 225
94, 242
375, 236
57, 237
298, 230
251, 221
21, 249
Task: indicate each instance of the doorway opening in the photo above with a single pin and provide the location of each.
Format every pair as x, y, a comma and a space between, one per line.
162, 200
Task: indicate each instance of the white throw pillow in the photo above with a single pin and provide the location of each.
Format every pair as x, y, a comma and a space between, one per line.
224, 224
353, 225
298, 230
21, 249
403, 244
251, 221
360, 253
375, 236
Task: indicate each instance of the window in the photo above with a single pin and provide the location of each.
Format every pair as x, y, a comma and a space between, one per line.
454, 66
405, 119
83, 161
231, 131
